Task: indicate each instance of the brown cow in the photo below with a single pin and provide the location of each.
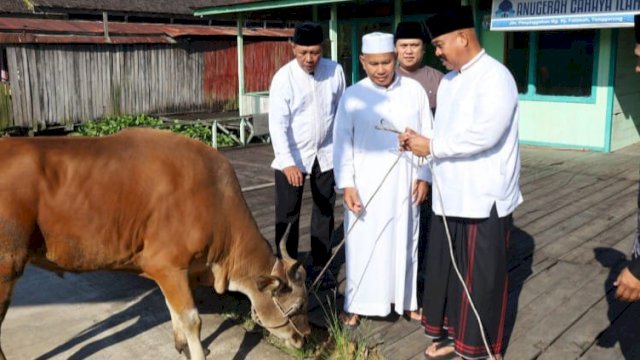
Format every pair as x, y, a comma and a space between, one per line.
151, 202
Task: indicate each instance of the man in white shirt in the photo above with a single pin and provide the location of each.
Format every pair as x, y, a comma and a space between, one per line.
476, 169
381, 240
303, 98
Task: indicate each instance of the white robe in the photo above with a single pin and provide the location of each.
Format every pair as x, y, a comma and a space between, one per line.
381, 250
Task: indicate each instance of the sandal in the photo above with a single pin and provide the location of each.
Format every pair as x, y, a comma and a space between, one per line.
415, 315
350, 323
439, 350
349, 319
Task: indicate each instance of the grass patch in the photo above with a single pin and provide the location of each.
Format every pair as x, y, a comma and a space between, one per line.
333, 341
328, 341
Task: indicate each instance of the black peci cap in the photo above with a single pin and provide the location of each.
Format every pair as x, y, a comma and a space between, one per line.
410, 30
450, 20
308, 34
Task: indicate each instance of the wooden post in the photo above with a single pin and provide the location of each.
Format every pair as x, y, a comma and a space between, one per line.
355, 54
214, 134
105, 24
333, 32
240, 47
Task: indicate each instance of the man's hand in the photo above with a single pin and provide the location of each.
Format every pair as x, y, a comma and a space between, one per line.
352, 200
294, 175
420, 191
628, 286
412, 141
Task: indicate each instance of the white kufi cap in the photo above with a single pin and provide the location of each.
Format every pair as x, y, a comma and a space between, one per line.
377, 43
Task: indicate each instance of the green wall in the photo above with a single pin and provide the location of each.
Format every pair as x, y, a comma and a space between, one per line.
492, 41
559, 122
625, 129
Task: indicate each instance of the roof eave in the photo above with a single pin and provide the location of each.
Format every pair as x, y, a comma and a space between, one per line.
257, 6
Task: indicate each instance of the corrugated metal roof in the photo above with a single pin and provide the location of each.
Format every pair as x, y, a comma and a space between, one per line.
58, 30
235, 6
81, 39
161, 7
14, 6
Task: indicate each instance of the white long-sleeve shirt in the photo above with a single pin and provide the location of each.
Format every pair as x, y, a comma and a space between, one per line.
476, 157
301, 112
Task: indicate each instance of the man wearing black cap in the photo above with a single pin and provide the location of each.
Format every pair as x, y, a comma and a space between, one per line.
476, 169
303, 98
410, 40
628, 281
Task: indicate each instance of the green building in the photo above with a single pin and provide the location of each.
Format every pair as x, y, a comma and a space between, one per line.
573, 60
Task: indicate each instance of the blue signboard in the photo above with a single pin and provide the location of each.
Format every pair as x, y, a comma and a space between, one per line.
516, 15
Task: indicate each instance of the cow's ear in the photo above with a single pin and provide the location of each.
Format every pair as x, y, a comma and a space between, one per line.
268, 283
296, 274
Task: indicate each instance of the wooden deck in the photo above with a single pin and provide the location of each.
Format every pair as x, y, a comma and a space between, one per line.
573, 235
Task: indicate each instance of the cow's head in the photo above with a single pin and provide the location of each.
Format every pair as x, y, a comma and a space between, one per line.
282, 308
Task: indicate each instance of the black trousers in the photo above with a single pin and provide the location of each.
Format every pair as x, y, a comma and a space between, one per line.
288, 204
423, 240
480, 250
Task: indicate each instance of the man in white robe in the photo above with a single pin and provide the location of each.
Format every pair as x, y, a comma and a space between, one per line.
381, 249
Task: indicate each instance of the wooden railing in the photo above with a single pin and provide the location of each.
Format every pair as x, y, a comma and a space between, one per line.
241, 129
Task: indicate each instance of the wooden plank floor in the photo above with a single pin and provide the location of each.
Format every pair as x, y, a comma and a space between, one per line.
573, 234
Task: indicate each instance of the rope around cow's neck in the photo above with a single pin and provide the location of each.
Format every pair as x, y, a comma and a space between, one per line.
286, 314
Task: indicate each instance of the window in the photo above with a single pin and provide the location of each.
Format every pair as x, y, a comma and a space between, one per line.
562, 64
565, 63
518, 59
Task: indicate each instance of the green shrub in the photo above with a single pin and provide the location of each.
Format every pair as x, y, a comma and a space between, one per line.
112, 125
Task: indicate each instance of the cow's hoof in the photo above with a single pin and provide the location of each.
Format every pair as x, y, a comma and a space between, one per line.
184, 349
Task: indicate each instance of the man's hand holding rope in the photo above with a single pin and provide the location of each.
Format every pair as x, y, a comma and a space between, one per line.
414, 142
420, 146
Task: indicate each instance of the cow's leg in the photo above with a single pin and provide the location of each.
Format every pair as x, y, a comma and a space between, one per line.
12, 263
178, 335
177, 293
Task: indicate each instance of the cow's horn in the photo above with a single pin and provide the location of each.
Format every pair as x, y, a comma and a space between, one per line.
283, 245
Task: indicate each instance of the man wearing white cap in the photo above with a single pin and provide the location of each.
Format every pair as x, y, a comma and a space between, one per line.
381, 249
